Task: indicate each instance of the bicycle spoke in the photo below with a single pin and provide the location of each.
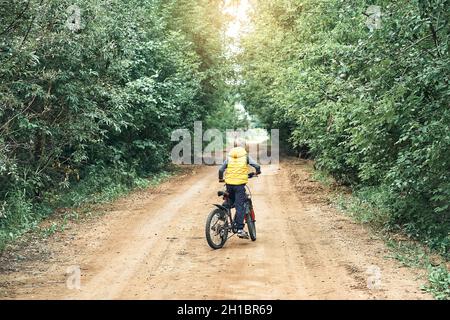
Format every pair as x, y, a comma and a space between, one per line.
216, 235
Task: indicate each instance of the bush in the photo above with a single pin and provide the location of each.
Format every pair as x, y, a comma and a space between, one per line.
371, 107
91, 92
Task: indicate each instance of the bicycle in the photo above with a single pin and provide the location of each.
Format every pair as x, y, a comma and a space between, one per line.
220, 221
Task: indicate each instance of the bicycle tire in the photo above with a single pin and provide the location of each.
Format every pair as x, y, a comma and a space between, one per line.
224, 237
251, 227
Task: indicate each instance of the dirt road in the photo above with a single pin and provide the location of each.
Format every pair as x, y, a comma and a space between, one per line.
151, 245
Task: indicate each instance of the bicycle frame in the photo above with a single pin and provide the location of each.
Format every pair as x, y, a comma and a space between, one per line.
223, 213
228, 208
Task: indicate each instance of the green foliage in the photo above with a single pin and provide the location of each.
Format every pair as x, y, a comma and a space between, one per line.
49, 231
372, 107
88, 112
413, 255
367, 205
227, 117
439, 286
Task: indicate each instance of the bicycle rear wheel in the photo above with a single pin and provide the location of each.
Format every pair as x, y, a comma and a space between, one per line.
216, 229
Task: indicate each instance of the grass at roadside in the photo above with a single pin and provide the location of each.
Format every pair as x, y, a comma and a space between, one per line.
71, 204
365, 206
414, 255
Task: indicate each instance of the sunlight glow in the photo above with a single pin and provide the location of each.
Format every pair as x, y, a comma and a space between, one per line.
239, 24
239, 11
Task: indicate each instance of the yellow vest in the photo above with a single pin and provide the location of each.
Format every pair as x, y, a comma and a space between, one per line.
237, 169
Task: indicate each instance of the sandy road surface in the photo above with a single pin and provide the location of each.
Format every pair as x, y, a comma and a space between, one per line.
151, 245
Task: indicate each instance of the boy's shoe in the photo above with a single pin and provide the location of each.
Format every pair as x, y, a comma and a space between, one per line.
242, 234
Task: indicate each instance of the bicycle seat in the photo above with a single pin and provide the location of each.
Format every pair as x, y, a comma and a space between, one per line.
222, 193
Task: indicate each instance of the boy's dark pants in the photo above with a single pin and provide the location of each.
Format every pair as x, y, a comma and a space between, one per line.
238, 197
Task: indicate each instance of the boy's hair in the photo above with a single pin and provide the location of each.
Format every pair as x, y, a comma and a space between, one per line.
240, 142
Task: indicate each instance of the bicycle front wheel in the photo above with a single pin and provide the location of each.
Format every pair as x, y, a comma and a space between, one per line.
251, 227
